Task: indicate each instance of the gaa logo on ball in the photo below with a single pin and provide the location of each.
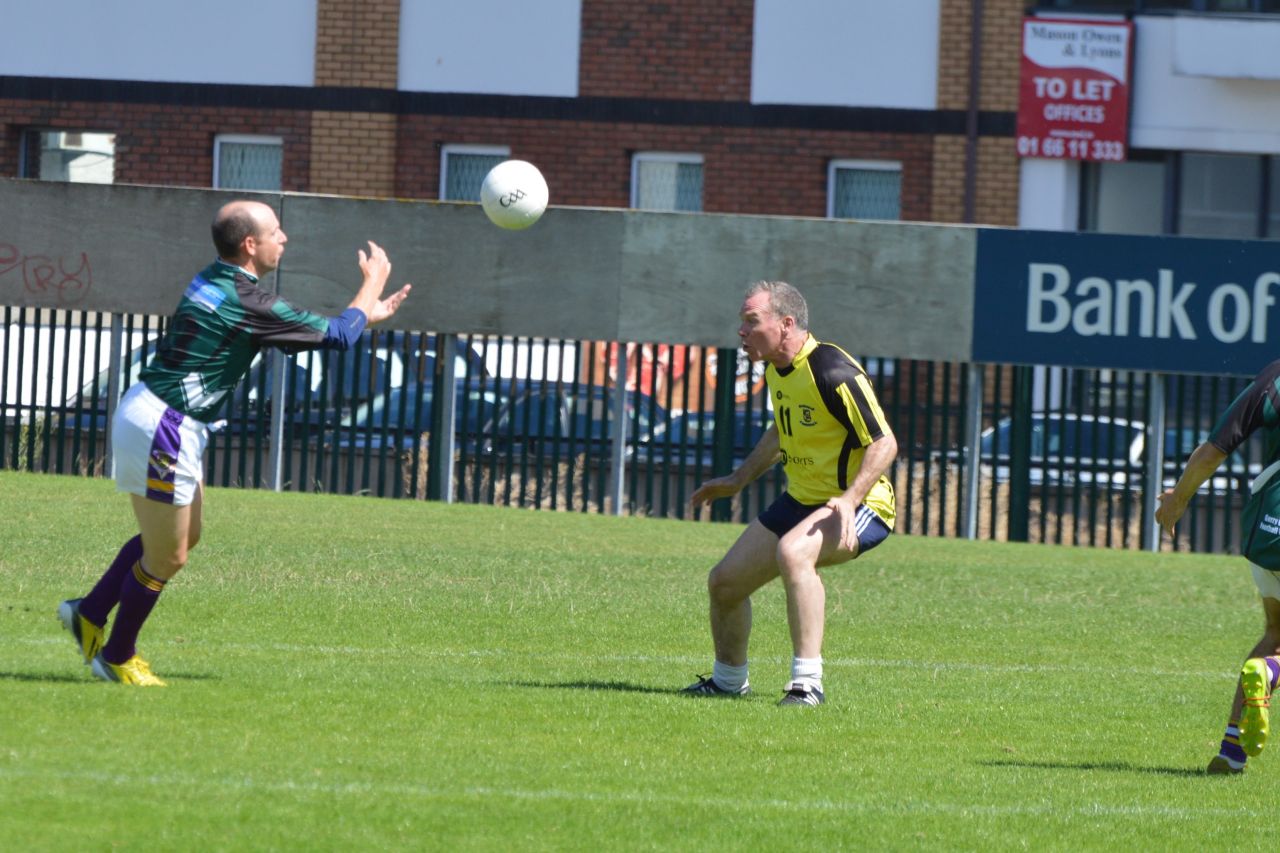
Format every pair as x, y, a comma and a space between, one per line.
514, 194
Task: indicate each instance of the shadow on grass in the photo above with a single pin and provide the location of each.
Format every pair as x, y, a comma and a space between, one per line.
618, 686
169, 675
1109, 766
58, 678
48, 677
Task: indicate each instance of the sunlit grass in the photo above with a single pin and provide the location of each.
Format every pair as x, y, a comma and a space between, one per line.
354, 673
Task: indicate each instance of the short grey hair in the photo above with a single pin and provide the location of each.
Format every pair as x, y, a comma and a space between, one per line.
784, 301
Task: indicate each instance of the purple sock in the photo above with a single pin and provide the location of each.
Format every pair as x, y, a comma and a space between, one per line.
138, 594
1273, 667
1230, 748
105, 595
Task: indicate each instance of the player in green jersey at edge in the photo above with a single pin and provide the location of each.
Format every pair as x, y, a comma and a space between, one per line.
1256, 409
835, 447
158, 433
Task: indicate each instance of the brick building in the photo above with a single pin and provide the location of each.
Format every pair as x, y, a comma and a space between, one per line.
354, 105
854, 109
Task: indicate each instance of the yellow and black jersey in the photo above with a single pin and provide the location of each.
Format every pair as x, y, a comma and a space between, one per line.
826, 414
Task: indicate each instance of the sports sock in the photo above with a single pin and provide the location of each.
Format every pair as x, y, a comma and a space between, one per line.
807, 671
1230, 749
1273, 667
731, 678
138, 594
105, 595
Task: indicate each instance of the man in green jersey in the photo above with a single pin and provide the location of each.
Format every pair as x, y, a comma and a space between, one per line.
158, 432
1255, 410
835, 446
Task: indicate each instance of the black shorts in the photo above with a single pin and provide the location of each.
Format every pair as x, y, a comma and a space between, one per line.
786, 512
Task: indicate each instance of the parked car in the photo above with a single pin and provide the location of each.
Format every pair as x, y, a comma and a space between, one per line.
1235, 473
322, 389
559, 420
1069, 448
689, 437
399, 417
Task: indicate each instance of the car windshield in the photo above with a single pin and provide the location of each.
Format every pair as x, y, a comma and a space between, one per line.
411, 404
563, 413
1082, 437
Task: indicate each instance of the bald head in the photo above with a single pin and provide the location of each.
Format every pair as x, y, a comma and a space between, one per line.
235, 221
247, 233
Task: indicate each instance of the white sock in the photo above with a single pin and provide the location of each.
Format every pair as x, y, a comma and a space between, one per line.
807, 671
731, 678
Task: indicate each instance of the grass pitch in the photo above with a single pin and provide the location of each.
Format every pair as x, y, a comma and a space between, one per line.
351, 673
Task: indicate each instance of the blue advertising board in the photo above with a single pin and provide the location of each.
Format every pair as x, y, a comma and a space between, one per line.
1164, 304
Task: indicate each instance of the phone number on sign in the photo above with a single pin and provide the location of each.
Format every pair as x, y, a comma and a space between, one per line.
1075, 149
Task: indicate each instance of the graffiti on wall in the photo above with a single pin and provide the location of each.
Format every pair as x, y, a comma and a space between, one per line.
67, 279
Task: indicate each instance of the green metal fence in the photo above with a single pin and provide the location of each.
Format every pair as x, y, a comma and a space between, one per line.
996, 452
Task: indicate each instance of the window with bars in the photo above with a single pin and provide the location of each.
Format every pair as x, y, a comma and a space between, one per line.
248, 162
463, 169
661, 181
82, 157
864, 189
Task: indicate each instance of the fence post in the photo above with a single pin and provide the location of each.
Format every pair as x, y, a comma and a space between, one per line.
1153, 458
115, 367
972, 450
722, 436
440, 446
1020, 457
618, 428
275, 457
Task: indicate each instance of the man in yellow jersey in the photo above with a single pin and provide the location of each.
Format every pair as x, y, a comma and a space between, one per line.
835, 447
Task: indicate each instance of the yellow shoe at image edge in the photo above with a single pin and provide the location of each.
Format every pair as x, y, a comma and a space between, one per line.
134, 671
1255, 722
88, 636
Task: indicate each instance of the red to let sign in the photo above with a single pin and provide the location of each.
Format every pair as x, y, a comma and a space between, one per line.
1073, 100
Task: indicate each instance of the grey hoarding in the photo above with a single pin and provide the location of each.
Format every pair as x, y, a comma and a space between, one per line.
886, 289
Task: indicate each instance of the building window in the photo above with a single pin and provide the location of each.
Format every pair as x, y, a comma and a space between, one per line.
666, 181
1190, 193
864, 189
1220, 195
1124, 198
81, 157
1273, 197
463, 169
248, 162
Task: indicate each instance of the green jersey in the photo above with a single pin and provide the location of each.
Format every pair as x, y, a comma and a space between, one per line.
223, 320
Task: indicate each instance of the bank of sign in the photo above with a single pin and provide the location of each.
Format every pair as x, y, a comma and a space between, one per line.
1073, 98
1173, 305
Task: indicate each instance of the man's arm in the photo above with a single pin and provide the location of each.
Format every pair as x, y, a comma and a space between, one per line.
368, 299
1170, 506
368, 306
876, 460
762, 457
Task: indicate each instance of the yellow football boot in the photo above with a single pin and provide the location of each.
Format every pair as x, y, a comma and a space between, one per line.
134, 671
1255, 722
89, 637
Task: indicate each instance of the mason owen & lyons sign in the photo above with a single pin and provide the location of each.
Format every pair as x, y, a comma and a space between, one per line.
1165, 304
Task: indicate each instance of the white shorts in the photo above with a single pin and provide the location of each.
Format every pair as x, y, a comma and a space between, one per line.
158, 452
1267, 582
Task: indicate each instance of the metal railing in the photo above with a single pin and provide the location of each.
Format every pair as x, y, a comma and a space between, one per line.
994, 452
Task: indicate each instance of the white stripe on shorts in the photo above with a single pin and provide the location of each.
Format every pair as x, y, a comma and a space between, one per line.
862, 517
133, 430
